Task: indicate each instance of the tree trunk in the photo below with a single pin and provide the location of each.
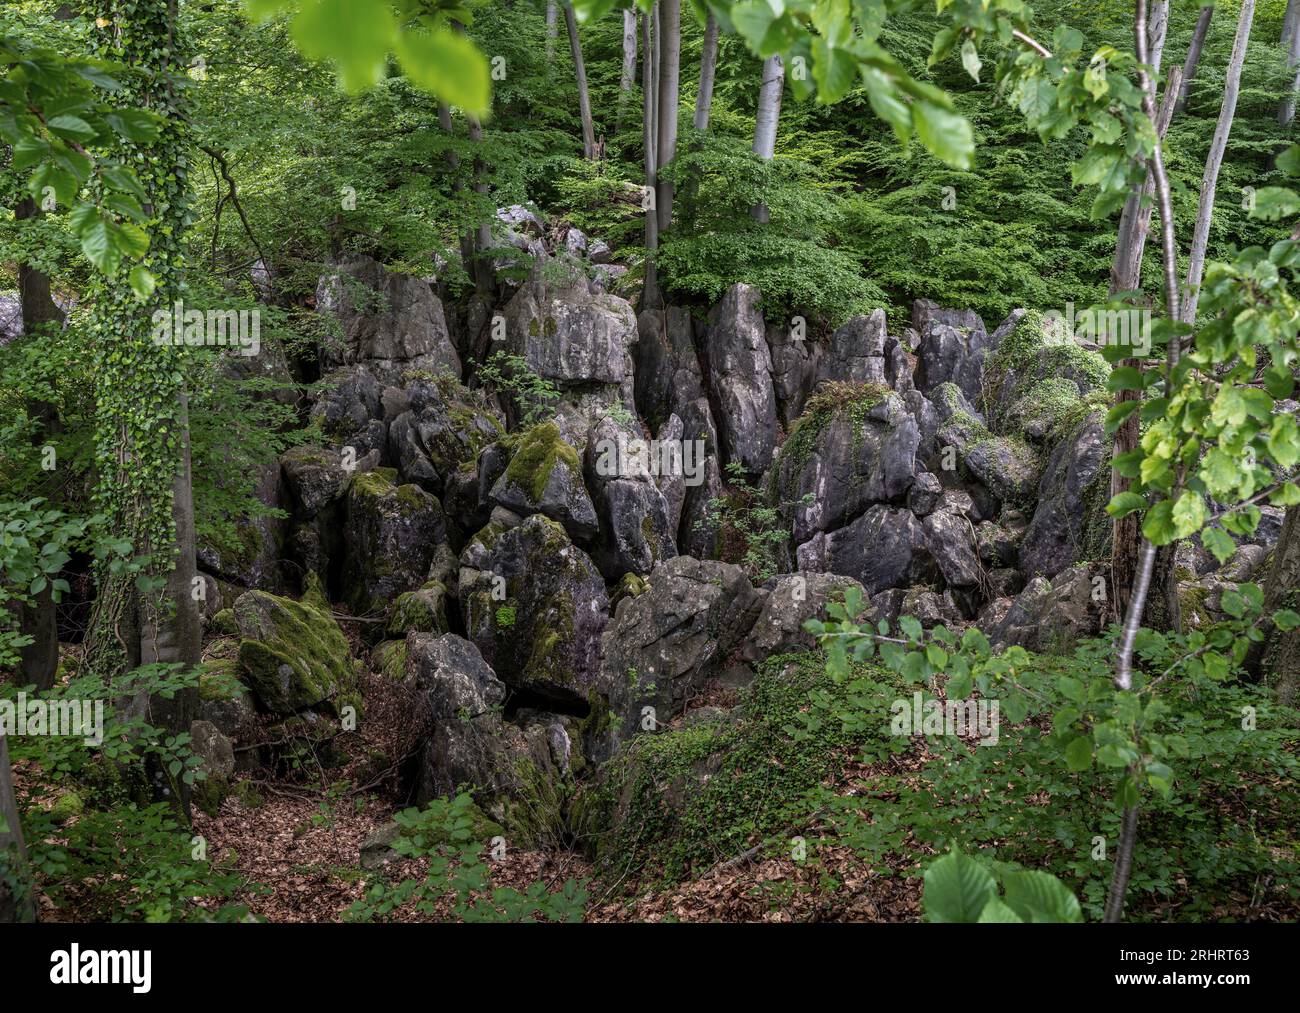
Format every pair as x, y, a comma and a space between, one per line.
1157, 32
767, 118
1126, 276
584, 98
670, 64
1194, 55
1213, 162
552, 31
650, 297
40, 658
708, 70
1291, 43
628, 77
15, 901
1282, 590
480, 240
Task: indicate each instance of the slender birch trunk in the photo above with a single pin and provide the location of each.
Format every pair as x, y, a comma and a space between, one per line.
767, 118
1194, 55
670, 65
650, 297
708, 70
1214, 161
580, 71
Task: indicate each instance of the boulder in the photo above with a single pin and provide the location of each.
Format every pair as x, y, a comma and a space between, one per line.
664, 643
791, 600
535, 606
451, 673
390, 534
292, 654
855, 445
885, 547
544, 476
1069, 523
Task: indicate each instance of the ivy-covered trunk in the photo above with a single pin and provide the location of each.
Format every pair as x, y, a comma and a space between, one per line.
142, 437
41, 656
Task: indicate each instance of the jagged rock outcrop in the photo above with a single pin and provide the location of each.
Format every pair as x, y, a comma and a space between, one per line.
885, 547
791, 600
740, 380
1070, 506
661, 644
390, 532
544, 475
854, 446
535, 606
391, 322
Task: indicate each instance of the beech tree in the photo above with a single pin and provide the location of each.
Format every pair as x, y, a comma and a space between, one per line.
708, 68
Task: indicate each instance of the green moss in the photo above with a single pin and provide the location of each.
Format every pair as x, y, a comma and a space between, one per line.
219, 679
535, 457
303, 660
535, 811
389, 659
66, 807
313, 592
422, 611
377, 483
247, 794
223, 623
680, 799
1191, 600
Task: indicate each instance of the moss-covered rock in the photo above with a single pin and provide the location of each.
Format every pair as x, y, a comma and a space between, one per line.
545, 476
535, 605
67, 806
390, 534
293, 655
422, 611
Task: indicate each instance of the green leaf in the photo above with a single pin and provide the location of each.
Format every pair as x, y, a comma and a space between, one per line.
1286, 620
142, 282
945, 134
449, 66
1038, 896
1078, 754
1158, 526
957, 888
997, 912
355, 35
1124, 503
970, 59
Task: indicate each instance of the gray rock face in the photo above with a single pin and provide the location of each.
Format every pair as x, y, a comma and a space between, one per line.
486, 753
793, 369
251, 558
350, 410
1008, 468
390, 534
435, 429
316, 478
923, 498
1066, 494
858, 458
539, 624
662, 644
927, 311
667, 365
635, 527
949, 354
740, 380
569, 336
951, 541
862, 351
452, 674
885, 547
393, 321
1052, 615
791, 600
214, 749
